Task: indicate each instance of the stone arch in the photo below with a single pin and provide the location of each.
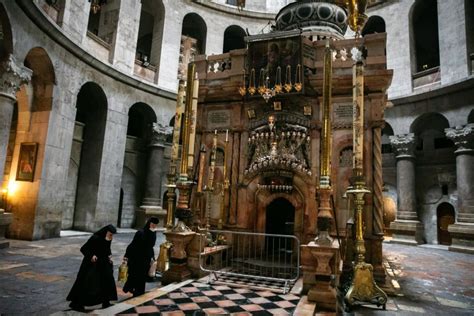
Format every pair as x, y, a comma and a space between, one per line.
469, 9
342, 162
140, 120
264, 198
375, 24
429, 131
470, 117
130, 197
195, 27
6, 42
445, 215
424, 34
233, 38
387, 131
43, 79
91, 113
150, 32
258, 200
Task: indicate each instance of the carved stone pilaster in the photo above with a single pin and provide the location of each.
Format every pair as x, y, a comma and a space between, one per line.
404, 145
463, 138
155, 171
160, 134
406, 228
462, 232
13, 76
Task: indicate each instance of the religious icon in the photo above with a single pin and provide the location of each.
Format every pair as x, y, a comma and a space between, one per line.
307, 110
27, 162
251, 113
277, 106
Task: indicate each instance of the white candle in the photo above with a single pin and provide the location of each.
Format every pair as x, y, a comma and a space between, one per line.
227, 135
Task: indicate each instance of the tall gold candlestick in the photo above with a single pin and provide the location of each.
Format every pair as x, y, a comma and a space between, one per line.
325, 168
187, 122
225, 184
324, 192
363, 288
192, 130
358, 116
174, 157
202, 163
212, 167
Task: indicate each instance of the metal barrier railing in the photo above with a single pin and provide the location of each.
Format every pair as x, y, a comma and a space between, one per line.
269, 257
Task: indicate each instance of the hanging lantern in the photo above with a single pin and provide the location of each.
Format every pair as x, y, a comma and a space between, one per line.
357, 17
96, 5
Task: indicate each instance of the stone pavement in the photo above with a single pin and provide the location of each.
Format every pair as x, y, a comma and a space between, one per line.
35, 278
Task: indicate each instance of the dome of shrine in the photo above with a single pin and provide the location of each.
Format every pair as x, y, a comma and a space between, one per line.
317, 17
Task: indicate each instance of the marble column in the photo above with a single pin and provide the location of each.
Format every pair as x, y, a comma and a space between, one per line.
151, 205
462, 232
406, 228
13, 75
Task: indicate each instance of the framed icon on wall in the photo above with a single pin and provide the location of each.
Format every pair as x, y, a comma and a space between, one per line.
27, 162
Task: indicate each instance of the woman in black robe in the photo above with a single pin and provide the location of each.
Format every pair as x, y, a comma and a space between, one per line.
139, 255
95, 282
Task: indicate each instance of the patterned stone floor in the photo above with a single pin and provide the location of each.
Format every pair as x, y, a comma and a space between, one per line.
204, 299
35, 277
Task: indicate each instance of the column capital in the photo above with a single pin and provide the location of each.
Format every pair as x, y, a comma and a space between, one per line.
463, 137
159, 134
13, 75
404, 145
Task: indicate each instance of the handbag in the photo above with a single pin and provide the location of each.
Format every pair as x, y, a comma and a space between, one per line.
123, 272
152, 270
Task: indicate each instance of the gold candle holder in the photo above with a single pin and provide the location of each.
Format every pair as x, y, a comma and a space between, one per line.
324, 191
363, 288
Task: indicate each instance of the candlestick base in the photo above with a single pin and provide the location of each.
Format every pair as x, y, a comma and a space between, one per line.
364, 289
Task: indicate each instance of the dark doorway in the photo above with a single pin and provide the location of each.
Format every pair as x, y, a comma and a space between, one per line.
280, 217
445, 213
119, 219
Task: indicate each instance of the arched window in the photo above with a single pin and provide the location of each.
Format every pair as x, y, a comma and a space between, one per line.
55, 10
234, 38
140, 119
424, 22
193, 41
6, 44
469, 8
103, 23
150, 32
345, 157
470, 118
386, 133
429, 131
375, 24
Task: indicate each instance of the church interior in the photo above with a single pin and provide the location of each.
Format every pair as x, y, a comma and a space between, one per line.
295, 147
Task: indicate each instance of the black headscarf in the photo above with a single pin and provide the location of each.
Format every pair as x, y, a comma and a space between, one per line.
103, 231
153, 220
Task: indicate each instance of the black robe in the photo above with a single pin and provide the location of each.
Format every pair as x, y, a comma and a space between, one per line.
139, 254
95, 282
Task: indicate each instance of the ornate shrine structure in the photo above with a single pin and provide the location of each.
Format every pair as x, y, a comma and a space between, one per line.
261, 123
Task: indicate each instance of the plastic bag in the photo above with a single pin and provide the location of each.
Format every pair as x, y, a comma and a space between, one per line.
123, 272
152, 270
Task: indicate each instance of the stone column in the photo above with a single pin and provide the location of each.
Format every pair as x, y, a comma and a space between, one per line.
407, 228
13, 76
462, 231
155, 170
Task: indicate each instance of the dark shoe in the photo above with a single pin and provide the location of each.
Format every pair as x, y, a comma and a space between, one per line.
105, 305
77, 307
